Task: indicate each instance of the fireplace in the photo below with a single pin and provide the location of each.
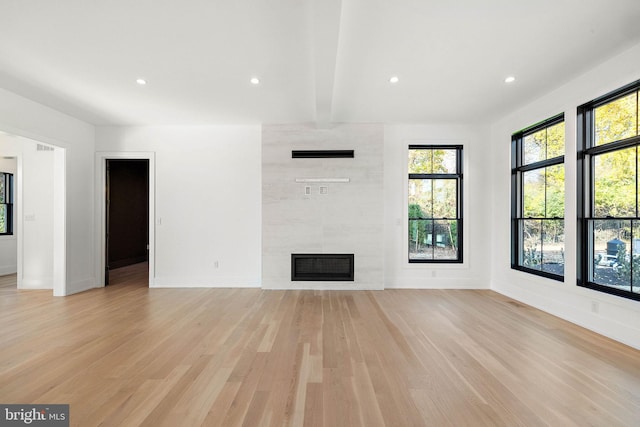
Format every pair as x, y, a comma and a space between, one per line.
322, 267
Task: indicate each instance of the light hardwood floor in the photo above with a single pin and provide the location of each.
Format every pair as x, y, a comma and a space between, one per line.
127, 355
8, 282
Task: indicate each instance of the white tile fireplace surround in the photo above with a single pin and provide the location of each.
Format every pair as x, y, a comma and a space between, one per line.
322, 205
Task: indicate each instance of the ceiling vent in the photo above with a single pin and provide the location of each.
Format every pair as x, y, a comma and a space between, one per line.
41, 147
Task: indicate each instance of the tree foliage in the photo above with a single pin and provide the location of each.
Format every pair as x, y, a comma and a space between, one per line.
3, 218
544, 144
628, 266
616, 181
432, 160
417, 228
543, 191
616, 120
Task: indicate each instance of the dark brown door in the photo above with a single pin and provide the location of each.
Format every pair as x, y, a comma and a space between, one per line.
127, 213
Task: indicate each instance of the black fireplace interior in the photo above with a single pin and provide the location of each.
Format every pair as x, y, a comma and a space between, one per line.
322, 267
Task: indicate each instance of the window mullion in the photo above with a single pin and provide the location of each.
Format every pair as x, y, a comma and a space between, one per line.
541, 164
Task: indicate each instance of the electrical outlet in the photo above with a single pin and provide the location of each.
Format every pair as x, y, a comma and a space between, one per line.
324, 189
307, 190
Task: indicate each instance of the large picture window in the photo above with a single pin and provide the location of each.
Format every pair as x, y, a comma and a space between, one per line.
608, 209
537, 211
6, 203
435, 207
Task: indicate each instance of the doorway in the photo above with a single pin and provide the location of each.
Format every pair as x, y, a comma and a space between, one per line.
101, 158
127, 214
39, 230
8, 232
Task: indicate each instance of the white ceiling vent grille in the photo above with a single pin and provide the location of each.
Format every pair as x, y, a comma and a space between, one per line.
42, 147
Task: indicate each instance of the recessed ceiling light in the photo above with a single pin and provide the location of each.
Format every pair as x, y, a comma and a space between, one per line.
510, 79
141, 82
255, 81
394, 79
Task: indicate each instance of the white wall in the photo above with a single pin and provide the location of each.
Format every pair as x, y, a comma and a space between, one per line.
208, 201
474, 271
616, 317
37, 216
8, 244
346, 220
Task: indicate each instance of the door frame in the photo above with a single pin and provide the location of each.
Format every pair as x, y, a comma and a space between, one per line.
101, 207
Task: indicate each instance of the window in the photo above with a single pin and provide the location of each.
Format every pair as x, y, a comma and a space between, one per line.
537, 199
6, 203
435, 203
608, 184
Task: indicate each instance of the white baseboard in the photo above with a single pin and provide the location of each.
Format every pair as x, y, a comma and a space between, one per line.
80, 286
30, 283
322, 286
434, 283
8, 269
204, 282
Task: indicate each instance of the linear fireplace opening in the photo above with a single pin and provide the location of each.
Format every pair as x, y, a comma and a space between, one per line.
322, 267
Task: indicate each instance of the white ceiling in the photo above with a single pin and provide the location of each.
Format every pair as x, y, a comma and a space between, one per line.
318, 60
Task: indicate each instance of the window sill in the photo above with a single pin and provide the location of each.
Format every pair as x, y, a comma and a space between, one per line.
436, 265
538, 273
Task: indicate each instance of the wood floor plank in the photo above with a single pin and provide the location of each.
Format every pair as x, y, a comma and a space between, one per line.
127, 355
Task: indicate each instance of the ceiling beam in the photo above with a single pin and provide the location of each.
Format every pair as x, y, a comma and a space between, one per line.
326, 33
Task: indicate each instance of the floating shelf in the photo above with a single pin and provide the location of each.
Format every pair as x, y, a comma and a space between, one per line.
321, 154
307, 180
